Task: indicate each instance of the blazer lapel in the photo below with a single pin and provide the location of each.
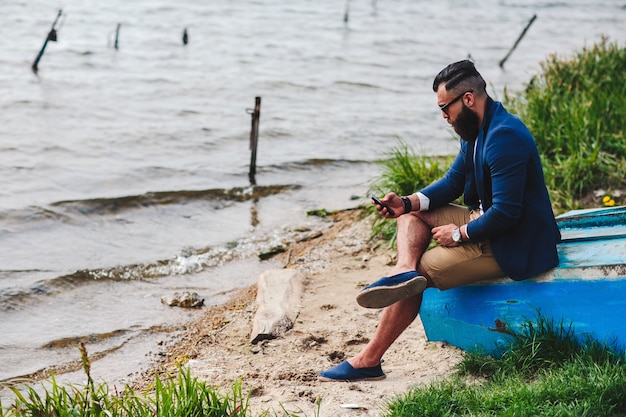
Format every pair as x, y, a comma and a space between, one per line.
479, 172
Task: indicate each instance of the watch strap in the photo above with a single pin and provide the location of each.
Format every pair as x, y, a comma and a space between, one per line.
406, 203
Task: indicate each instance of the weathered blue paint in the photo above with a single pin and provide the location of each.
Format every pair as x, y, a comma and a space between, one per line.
586, 290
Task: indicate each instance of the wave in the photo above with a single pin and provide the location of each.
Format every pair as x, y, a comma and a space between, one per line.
117, 204
191, 261
17, 298
61, 211
358, 84
313, 162
29, 216
90, 338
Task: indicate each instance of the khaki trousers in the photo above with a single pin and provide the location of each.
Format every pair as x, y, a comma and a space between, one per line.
461, 265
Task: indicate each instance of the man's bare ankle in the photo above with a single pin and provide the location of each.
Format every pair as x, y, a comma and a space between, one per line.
362, 363
400, 270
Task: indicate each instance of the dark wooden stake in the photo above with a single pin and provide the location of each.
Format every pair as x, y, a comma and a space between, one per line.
185, 37
254, 138
117, 35
517, 41
52, 37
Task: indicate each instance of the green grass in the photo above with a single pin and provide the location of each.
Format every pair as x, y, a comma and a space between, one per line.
546, 372
182, 396
576, 110
178, 396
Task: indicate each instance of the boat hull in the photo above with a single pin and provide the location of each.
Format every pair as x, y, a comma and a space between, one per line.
587, 291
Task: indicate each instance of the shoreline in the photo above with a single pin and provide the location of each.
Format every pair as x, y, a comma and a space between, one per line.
282, 372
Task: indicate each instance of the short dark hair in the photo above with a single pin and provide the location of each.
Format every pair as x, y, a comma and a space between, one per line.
461, 75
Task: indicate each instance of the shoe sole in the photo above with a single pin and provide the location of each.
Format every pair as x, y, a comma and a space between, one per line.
373, 378
380, 297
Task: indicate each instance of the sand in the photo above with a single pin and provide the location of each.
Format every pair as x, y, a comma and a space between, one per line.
282, 373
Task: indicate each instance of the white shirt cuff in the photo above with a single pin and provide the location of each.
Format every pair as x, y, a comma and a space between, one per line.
424, 201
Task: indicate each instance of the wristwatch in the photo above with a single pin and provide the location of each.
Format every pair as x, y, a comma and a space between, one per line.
456, 235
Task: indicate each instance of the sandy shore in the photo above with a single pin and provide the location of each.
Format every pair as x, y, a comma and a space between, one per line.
330, 327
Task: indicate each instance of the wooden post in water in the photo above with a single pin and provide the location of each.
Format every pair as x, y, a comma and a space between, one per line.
254, 138
52, 37
185, 37
117, 35
517, 41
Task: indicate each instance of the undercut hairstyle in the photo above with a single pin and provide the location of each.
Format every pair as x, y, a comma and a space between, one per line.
461, 76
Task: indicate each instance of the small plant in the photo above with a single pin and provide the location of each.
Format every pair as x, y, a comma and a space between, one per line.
608, 201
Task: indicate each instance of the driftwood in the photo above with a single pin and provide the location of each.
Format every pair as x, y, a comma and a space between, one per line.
279, 293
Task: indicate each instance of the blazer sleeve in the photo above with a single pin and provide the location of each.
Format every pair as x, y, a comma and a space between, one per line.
450, 186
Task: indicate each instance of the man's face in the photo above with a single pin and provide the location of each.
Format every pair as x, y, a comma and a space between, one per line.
466, 124
463, 119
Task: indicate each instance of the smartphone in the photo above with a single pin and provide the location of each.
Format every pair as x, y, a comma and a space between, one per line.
377, 201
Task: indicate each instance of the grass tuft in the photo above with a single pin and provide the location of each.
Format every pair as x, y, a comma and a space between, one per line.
547, 372
182, 396
576, 109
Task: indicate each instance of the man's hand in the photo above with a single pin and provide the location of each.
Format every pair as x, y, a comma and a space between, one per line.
443, 235
392, 201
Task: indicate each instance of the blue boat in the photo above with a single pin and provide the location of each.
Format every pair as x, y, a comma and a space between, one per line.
587, 291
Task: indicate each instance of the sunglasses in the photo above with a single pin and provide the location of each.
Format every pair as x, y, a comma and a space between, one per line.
444, 107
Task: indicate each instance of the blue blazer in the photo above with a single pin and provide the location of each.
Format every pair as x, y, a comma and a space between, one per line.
505, 176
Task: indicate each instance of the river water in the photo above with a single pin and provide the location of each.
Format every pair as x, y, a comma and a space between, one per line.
124, 172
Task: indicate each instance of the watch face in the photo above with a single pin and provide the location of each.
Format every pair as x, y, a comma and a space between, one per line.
456, 235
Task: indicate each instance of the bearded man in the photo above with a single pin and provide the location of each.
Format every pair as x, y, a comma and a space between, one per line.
506, 228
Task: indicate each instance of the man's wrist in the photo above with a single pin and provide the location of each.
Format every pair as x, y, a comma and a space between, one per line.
464, 235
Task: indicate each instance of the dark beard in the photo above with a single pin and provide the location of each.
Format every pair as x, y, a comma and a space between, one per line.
467, 124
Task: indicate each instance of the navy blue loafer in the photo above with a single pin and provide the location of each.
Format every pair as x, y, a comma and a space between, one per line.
346, 372
389, 290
